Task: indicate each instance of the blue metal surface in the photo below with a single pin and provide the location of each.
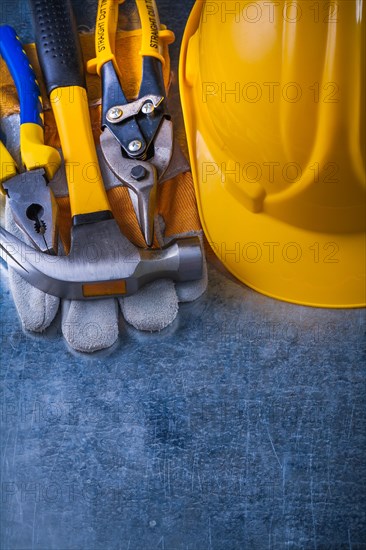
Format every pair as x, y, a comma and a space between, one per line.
23, 75
240, 427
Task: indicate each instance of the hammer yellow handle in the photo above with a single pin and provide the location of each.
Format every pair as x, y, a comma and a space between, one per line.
85, 183
61, 60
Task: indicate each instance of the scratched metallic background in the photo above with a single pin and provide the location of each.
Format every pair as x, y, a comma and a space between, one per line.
240, 427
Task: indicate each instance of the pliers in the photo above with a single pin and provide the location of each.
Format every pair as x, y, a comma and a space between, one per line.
137, 136
30, 197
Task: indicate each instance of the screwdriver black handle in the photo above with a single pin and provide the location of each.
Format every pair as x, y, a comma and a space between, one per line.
57, 42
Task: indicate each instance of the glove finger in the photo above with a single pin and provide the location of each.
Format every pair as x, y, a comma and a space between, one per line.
90, 326
153, 308
35, 308
191, 290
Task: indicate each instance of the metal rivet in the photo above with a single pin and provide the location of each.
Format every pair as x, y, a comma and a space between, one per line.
114, 113
134, 145
138, 172
148, 108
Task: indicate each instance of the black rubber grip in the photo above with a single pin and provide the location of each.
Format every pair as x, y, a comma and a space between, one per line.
57, 42
93, 217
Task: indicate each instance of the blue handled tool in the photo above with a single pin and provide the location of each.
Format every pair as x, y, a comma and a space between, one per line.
30, 197
23, 75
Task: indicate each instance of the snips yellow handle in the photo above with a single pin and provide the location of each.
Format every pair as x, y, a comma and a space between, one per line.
105, 31
153, 33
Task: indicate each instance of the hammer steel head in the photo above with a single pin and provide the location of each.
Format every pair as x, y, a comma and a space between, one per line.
34, 208
102, 262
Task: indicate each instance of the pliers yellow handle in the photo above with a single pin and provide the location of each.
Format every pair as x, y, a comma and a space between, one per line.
8, 167
34, 152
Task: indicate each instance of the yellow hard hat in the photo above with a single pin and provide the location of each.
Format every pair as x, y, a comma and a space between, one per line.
273, 96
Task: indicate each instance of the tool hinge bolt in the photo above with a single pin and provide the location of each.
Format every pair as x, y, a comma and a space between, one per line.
134, 145
114, 114
138, 172
148, 108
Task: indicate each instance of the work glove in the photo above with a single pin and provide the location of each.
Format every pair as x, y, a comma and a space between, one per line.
88, 326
